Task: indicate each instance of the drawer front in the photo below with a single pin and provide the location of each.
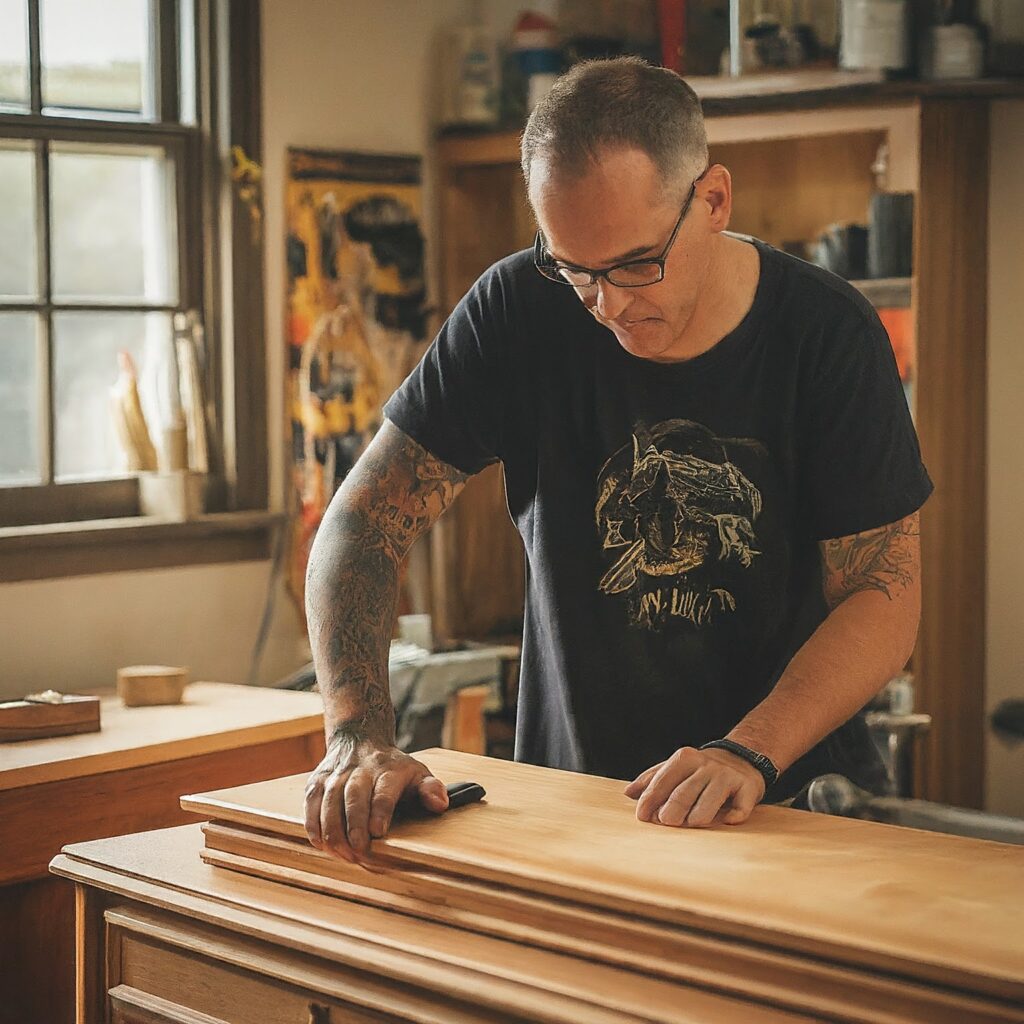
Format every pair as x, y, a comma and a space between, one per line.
188, 988
130, 1006
165, 968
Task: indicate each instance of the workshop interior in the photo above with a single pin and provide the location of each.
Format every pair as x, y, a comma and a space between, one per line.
230, 232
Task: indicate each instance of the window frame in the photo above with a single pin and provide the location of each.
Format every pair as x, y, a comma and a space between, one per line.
103, 516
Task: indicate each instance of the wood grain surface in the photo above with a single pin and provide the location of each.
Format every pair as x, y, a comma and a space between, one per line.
791, 189
48, 816
37, 916
938, 908
951, 220
799, 983
36, 913
213, 717
127, 778
156, 885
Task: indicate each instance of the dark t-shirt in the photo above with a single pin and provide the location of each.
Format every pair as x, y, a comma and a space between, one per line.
670, 513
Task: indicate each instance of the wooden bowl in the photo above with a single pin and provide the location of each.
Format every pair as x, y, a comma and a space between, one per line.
145, 685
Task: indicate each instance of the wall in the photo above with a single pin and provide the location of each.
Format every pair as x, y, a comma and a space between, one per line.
74, 633
1005, 619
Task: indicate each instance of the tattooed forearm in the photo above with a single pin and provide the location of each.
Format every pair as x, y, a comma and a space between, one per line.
350, 601
396, 490
886, 560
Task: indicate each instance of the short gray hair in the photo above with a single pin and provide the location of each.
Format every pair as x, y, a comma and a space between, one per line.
617, 104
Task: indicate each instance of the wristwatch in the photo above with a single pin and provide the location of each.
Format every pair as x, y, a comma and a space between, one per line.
764, 764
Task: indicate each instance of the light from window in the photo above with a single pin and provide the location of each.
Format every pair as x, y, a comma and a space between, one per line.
96, 55
14, 86
188, 101
112, 238
19, 400
18, 273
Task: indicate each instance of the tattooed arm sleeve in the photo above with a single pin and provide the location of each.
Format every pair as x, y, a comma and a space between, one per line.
886, 560
391, 496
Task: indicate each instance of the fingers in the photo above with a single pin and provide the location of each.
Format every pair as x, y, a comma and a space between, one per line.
696, 789
703, 811
387, 791
333, 836
313, 799
639, 784
358, 792
677, 806
390, 788
735, 816
338, 807
679, 767
742, 805
348, 805
432, 794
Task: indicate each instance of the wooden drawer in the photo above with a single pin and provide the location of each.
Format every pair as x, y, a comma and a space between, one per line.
167, 970
130, 1006
191, 983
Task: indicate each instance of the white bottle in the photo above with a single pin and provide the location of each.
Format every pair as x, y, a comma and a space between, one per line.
873, 35
471, 76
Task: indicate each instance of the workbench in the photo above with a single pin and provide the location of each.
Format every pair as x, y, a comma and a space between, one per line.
128, 777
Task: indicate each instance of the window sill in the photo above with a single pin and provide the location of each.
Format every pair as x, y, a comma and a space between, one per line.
119, 545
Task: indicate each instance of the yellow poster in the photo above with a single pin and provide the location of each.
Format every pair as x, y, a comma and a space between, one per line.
355, 311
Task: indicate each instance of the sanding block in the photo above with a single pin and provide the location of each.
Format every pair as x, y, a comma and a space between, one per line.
460, 793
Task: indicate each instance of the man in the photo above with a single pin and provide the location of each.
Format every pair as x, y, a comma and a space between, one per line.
708, 455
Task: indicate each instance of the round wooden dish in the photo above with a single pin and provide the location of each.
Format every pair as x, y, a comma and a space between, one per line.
142, 685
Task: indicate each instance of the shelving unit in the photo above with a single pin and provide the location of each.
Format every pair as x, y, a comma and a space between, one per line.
795, 171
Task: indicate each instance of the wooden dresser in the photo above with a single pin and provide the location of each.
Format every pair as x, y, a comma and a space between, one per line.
547, 902
165, 938
126, 778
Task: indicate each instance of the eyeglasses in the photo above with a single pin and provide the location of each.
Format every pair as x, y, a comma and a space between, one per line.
631, 274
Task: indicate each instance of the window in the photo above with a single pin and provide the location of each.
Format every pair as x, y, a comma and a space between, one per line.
116, 213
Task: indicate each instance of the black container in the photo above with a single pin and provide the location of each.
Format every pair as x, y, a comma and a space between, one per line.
843, 250
891, 235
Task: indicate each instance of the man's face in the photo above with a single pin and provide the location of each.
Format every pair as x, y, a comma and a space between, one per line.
621, 210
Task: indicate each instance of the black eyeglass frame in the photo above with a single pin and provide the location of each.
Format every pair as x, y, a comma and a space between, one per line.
550, 267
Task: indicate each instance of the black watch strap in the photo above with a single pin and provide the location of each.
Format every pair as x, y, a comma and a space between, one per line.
764, 764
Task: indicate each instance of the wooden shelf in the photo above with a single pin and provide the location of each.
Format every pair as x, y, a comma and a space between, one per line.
886, 292
767, 92
482, 151
806, 90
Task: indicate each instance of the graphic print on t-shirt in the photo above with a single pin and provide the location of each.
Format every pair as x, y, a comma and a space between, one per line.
676, 518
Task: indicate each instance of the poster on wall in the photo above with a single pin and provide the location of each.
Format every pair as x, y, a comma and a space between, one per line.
355, 316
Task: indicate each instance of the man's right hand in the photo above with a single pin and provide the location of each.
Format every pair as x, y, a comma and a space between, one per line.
352, 793
392, 496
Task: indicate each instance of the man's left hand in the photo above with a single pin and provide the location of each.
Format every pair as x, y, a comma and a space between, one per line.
696, 788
